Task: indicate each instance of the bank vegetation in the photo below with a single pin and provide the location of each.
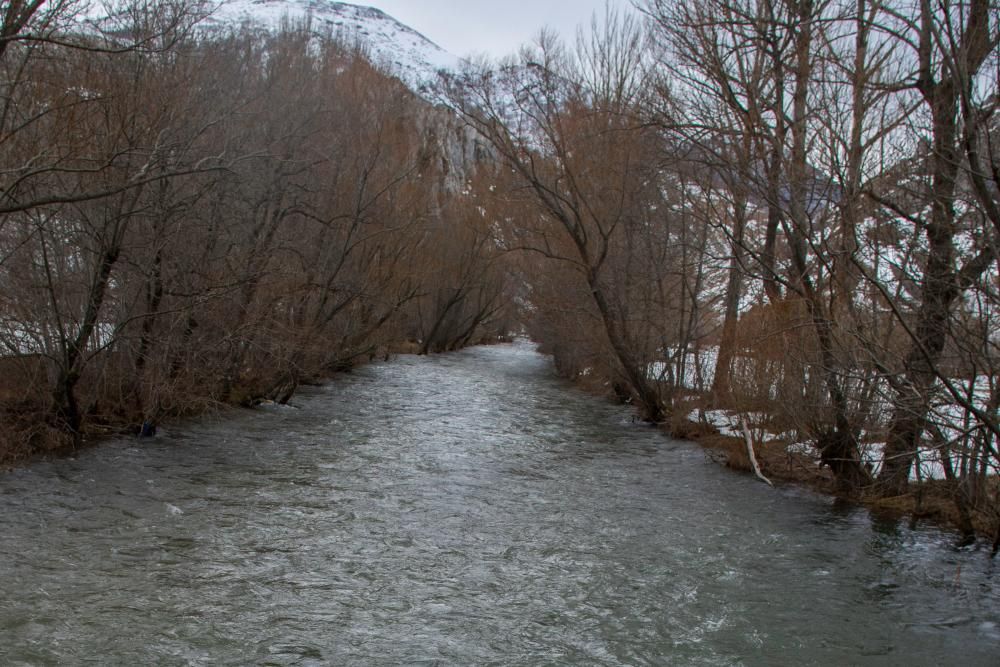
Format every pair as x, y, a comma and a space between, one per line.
193, 218
772, 224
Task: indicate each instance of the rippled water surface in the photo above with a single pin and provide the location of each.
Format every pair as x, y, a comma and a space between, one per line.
467, 509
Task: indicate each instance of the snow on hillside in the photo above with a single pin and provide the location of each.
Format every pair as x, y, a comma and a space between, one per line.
408, 54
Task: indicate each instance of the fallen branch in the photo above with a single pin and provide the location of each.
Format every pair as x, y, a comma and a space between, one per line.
753, 458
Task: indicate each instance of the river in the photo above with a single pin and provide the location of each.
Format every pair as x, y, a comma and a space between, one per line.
463, 509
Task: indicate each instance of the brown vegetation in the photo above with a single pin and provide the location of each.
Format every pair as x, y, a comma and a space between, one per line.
781, 210
190, 220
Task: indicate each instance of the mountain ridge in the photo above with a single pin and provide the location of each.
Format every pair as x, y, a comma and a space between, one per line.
408, 54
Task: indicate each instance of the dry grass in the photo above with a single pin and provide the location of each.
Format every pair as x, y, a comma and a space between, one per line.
931, 500
26, 435
778, 464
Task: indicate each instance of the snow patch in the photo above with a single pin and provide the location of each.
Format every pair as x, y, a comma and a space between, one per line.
697, 371
415, 59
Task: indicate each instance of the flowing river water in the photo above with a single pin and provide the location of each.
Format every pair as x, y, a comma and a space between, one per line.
466, 509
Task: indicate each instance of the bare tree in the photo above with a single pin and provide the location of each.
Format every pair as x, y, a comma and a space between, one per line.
566, 124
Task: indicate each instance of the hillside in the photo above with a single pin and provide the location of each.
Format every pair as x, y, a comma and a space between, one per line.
401, 49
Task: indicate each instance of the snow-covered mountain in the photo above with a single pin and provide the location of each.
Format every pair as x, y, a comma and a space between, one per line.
408, 54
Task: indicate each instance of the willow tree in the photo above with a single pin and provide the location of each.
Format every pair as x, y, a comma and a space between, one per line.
566, 124
88, 129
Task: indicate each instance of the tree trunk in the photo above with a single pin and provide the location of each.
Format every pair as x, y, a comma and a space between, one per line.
67, 409
722, 382
940, 289
942, 92
648, 398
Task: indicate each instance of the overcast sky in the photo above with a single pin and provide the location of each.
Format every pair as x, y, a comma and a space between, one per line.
494, 27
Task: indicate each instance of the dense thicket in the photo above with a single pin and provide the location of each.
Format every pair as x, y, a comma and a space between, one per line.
779, 214
190, 218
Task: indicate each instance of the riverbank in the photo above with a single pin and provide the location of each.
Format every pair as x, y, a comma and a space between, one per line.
930, 500
29, 430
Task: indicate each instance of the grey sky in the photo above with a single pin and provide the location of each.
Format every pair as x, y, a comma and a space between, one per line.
495, 27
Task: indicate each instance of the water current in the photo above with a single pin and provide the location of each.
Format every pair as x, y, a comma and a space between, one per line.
465, 509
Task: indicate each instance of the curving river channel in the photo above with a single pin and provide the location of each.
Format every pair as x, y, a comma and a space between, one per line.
468, 509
